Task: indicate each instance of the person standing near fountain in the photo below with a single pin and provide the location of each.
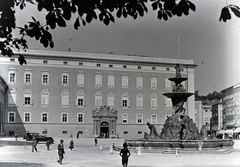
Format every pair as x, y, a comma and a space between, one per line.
125, 153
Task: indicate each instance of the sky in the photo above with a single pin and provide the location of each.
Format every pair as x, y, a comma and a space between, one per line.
213, 45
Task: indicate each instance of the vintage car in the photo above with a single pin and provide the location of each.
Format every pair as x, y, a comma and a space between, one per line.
29, 136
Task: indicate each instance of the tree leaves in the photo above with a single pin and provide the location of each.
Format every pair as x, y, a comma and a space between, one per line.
225, 12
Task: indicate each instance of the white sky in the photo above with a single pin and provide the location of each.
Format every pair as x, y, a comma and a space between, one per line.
213, 45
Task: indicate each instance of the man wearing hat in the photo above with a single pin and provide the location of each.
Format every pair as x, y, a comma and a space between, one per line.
60, 151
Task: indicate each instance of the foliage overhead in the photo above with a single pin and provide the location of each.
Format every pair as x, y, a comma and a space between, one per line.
58, 12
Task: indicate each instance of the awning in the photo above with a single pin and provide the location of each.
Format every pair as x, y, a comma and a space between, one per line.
229, 131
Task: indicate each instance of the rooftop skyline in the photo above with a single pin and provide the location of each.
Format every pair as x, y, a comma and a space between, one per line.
213, 45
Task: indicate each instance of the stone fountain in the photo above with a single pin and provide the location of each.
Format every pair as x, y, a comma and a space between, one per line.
179, 130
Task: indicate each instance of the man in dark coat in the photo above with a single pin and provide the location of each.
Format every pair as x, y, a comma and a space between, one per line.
60, 151
125, 153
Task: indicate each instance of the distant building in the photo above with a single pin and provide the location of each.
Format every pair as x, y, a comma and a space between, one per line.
87, 94
3, 103
203, 113
217, 117
231, 108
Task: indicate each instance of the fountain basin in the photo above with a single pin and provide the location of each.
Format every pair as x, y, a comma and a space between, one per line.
180, 143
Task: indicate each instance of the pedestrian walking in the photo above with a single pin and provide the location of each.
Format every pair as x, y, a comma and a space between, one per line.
60, 151
125, 153
71, 145
16, 136
95, 141
48, 145
34, 144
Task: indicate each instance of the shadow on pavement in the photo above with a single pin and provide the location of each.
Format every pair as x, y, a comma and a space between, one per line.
13, 143
12, 164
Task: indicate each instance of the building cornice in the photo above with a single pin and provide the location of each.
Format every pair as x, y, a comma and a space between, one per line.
105, 58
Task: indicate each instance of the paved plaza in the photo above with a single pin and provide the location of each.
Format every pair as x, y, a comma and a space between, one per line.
85, 154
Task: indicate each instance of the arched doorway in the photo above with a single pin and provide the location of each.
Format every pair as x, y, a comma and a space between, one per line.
104, 129
104, 122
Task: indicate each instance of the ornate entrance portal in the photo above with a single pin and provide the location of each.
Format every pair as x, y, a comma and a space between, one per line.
104, 122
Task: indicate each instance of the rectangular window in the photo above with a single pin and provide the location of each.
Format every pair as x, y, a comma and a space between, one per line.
111, 80
98, 80
64, 132
45, 61
45, 78
80, 118
124, 103
98, 101
154, 102
124, 81
139, 82
110, 101
168, 84
65, 63
12, 76
65, 78
153, 82
44, 117
124, 118
139, 119
64, 99
154, 119
27, 117
64, 117
80, 79
45, 99
27, 77
11, 117
139, 102
28, 100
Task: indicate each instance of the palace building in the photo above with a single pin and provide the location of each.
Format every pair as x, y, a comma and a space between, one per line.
60, 94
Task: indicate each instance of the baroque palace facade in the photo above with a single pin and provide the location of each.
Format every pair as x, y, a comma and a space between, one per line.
86, 94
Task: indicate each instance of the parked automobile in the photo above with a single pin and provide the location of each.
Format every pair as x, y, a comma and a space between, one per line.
29, 136
45, 139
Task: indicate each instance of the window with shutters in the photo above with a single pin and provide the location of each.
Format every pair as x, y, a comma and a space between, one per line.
80, 79
124, 81
154, 83
98, 99
168, 84
139, 82
98, 80
65, 98
111, 80
45, 98
139, 101
80, 100
111, 99
125, 100
27, 98
154, 101
154, 119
